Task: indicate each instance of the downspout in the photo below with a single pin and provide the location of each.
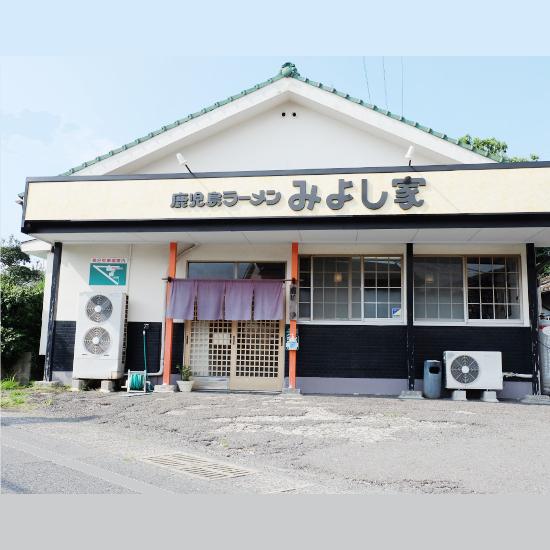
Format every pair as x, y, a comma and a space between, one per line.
161, 366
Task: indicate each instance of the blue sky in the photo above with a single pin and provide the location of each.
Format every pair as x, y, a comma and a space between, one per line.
56, 112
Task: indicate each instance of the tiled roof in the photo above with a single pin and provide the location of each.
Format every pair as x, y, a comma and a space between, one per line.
288, 70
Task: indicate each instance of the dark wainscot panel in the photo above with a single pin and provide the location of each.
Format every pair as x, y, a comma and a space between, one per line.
352, 351
514, 343
64, 335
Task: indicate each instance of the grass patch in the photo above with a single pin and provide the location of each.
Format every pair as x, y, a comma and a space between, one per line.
13, 399
15, 396
9, 384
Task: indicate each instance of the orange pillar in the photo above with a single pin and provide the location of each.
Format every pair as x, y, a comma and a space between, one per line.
169, 323
292, 353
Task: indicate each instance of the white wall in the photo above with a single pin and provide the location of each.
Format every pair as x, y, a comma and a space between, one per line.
147, 266
270, 141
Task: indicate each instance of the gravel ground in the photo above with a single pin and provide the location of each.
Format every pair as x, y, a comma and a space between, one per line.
308, 444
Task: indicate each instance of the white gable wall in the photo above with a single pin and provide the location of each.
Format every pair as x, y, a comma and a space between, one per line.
269, 141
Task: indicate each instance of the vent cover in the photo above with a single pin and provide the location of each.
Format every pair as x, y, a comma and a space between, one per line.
97, 340
197, 466
464, 369
99, 308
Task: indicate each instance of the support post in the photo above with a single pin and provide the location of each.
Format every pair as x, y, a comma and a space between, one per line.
409, 284
410, 310
533, 315
292, 353
169, 323
56, 267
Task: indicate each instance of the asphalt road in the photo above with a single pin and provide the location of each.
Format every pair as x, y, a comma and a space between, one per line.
95, 443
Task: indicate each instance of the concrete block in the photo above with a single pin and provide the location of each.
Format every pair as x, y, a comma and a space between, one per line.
77, 384
21, 370
410, 394
292, 391
165, 388
459, 395
47, 384
107, 386
489, 397
536, 400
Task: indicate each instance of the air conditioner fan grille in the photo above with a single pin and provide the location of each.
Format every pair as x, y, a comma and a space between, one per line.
464, 369
97, 340
99, 308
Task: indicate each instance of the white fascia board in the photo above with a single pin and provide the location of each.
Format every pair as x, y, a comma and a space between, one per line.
384, 124
194, 129
36, 247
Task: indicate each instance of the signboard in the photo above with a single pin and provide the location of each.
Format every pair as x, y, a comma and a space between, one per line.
431, 192
108, 271
291, 342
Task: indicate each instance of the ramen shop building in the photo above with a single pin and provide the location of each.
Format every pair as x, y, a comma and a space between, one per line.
292, 236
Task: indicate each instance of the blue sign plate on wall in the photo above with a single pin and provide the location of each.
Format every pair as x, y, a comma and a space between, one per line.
108, 273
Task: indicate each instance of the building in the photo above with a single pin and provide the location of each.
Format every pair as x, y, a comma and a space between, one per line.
402, 242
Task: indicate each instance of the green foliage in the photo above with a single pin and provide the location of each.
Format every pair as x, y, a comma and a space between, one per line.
9, 384
493, 146
543, 261
22, 289
185, 372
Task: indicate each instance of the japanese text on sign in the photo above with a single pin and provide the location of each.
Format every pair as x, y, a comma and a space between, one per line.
406, 192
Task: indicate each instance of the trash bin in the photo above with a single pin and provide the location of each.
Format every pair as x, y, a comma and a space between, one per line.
432, 379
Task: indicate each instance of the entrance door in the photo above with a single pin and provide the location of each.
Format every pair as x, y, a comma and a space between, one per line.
236, 355
258, 357
207, 350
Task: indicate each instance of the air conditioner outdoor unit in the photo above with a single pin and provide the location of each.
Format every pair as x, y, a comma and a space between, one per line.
473, 370
100, 339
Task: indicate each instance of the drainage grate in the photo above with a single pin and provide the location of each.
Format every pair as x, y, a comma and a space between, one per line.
196, 466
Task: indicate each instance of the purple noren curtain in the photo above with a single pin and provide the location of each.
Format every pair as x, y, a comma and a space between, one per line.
210, 300
268, 300
238, 300
182, 299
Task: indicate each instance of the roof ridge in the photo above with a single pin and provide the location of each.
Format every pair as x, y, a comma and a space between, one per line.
288, 70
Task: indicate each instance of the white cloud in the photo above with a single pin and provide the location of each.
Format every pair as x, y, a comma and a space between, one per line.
40, 144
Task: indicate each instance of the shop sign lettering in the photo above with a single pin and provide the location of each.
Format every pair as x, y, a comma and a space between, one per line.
406, 191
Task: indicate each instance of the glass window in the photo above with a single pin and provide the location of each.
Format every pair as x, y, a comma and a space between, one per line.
349, 288
438, 289
243, 270
382, 287
493, 287
211, 270
260, 270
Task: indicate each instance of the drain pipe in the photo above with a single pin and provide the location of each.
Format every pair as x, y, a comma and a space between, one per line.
161, 366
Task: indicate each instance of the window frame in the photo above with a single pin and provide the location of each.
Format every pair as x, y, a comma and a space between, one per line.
467, 321
402, 320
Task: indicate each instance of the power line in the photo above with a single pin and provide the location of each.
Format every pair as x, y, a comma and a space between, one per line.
385, 87
366, 77
402, 87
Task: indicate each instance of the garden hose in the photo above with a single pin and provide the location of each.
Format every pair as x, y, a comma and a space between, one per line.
137, 379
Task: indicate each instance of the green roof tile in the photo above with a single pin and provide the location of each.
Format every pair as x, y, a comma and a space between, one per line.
288, 70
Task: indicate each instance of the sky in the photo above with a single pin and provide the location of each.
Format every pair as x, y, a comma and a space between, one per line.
56, 112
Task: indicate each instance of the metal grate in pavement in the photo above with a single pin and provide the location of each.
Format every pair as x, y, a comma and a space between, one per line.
197, 466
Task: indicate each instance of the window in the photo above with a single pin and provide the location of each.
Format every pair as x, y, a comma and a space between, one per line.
439, 289
210, 270
488, 285
350, 288
493, 287
236, 270
260, 270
